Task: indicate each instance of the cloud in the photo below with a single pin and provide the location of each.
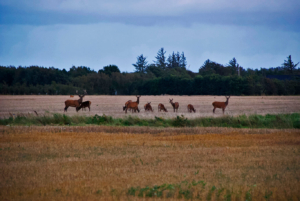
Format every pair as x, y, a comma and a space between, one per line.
274, 13
155, 7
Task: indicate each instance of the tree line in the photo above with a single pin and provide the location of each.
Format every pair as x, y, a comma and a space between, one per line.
165, 75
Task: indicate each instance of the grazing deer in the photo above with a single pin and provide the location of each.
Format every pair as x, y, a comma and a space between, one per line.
133, 105
126, 105
74, 103
162, 107
84, 105
191, 108
148, 107
175, 105
220, 104
71, 96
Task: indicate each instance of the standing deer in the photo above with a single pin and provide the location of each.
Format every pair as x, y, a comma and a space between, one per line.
126, 105
222, 105
133, 105
162, 107
148, 107
84, 105
74, 103
175, 105
71, 96
190, 108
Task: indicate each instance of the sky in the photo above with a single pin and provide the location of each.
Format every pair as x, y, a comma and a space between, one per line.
97, 33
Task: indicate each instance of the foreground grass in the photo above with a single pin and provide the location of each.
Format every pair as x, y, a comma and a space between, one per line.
53, 163
242, 121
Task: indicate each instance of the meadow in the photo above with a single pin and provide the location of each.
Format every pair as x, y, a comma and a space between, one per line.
112, 105
142, 163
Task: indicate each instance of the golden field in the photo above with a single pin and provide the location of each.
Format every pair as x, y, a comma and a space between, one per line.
103, 163
112, 105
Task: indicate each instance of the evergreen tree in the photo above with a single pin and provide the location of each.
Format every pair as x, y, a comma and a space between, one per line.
233, 62
161, 59
289, 65
141, 64
173, 60
182, 62
234, 66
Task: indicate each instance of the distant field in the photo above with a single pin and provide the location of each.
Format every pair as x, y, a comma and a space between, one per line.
122, 163
112, 105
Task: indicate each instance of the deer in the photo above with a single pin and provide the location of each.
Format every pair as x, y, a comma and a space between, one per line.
133, 105
222, 105
148, 107
126, 105
84, 105
175, 105
71, 96
162, 107
74, 103
191, 108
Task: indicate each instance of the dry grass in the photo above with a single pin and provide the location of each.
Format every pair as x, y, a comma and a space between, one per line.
102, 163
112, 105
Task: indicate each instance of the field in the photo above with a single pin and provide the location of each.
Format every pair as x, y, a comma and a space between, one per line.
131, 163
157, 162
112, 105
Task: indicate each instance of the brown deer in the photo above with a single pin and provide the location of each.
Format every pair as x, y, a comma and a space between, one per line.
222, 105
84, 105
133, 105
162, 107
191, 108
126, 105
175, 105
74, 103
71, 96
148, 107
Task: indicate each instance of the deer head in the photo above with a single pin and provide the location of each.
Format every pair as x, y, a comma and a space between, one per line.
81, 95
138, 99
171, 100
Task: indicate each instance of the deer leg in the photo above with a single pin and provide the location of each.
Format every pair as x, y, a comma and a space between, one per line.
214, 110
223, 110
89, 109
66, 108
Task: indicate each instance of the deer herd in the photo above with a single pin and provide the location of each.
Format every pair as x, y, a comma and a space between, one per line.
133, 106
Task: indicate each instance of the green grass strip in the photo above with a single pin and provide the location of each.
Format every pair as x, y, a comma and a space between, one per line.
279, 121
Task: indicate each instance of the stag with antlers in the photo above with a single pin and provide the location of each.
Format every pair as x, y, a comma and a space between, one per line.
220, 105
74, 103
174, 105
133, 105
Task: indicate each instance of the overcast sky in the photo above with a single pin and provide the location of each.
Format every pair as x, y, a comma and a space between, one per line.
96, 33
